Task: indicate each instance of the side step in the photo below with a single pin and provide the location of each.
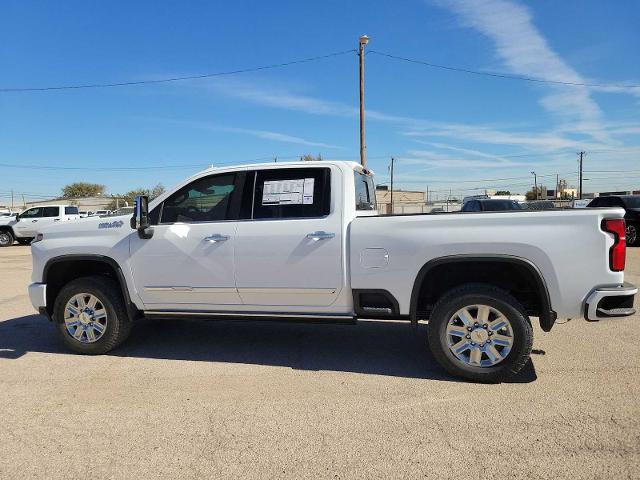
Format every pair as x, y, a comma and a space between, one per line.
249, 316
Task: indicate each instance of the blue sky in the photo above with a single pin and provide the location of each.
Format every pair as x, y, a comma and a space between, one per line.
448, 130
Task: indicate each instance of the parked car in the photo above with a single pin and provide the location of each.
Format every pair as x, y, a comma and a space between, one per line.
490, 205
537, 205
631, 205
123, 211
85, 213
304, 241
26, 225
102, 212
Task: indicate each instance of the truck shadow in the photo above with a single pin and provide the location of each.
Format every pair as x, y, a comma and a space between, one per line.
378, 348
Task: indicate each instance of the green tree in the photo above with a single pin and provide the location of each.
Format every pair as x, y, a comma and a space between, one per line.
129, 197
82, 189
503, 192
310, 158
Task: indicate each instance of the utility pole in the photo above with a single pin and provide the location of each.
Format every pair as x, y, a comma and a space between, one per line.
12, 200
535, 183
392, 162
427, 193
581, 155
275, 159
363, 149
557, 185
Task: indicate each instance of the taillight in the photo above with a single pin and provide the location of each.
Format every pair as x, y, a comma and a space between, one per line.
618, 251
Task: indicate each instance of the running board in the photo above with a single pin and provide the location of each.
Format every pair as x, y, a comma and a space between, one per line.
275, 316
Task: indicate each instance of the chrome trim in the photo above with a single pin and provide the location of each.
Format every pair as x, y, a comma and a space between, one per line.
591, 304
191, 289
290, 291
245, 314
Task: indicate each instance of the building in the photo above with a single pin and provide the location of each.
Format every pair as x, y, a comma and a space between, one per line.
404, 201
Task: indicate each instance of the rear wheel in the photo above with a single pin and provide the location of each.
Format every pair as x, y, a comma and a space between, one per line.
632, 234
6, 238
90, 315
480, 333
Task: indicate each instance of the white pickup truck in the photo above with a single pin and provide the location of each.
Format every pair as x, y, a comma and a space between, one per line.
26, 225
304, 241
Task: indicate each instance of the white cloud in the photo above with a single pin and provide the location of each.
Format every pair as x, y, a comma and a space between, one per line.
525, 51
263, 134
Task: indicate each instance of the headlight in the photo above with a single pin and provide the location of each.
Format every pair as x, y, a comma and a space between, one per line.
37, 238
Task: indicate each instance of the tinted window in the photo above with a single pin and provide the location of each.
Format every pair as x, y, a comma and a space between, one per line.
632, 202
471, 206
365, 192
32, 213
50, 211
204, 200
292, 193
500, 205
71, 210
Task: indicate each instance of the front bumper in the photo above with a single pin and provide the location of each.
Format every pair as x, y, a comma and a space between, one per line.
609, 302
38, 295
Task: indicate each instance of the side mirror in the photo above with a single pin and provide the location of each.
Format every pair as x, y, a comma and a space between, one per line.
17, 217
140, 218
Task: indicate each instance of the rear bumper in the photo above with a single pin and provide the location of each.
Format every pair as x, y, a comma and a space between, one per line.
609, 302
38, 295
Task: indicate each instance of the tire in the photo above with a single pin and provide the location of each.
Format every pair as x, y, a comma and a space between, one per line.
632, 235
24, 241
6, 238
117, 324
512, 343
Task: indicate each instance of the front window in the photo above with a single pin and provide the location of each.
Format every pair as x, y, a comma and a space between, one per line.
71, 210
32, 213
365, 191
204, 200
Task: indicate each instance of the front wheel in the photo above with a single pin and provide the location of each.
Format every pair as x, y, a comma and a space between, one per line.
480, 333
90, 315
6, 239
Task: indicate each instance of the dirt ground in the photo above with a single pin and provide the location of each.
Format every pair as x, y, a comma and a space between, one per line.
188, 399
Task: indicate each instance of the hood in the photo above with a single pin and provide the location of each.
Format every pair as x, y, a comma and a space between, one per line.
89, 226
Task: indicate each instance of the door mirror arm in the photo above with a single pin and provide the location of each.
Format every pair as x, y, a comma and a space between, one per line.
140, 218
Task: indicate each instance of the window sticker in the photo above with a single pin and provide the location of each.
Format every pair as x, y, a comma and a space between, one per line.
298, 191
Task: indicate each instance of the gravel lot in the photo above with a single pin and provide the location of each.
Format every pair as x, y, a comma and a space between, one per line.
222, 399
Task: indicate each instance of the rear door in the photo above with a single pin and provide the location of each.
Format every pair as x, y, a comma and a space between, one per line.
290, 252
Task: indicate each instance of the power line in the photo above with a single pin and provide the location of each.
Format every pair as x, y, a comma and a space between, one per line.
176, 79
499, 74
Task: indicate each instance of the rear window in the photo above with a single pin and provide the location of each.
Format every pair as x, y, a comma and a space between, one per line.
71, 210
365, 192
632, 202
50, 211
292, 193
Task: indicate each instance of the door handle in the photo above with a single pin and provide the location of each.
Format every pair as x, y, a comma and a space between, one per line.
56, 219
34, 221
216, 237
320, 235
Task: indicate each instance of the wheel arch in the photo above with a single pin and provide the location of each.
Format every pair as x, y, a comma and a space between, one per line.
58, 272
533, 277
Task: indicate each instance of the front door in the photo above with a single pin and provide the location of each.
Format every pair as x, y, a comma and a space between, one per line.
35, 219
290, 252
188, 263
